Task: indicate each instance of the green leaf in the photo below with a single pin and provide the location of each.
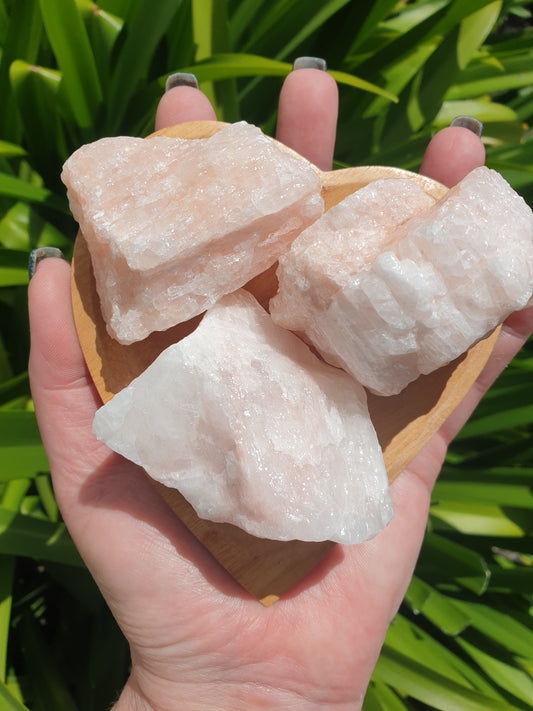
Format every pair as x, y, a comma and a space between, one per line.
8, 701
516, 417
36, 538
479, 519
380, 697
501, 627
18, 429
137, 43
11, 150
474, 30
22, 462
484, 110
50, 688
430, 687
439, 609
7, 567
14, 387
46, 496
22, 229
66, 32
22, 42
514, 681
224, 66
442, 560
512, 494
13, 267
36, 92
21, 190
410, 640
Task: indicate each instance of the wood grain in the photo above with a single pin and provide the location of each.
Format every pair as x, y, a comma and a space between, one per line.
404, 423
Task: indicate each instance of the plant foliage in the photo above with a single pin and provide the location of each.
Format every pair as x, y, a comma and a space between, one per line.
72, 71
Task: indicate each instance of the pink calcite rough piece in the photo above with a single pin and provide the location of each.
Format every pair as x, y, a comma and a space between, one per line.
255, 430
324, 258
449, 276
173, 224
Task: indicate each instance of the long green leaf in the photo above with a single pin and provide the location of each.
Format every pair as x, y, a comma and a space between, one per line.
50, 690
515, 681
501, 627
13, 267
80, 83
474, 29
223, 66
18, 429
516, 417
439, 609
426, 685
22, 462
36, 538
7, 567
22, 42
36, 92
8, 701
140, 36
21, 190
443, 560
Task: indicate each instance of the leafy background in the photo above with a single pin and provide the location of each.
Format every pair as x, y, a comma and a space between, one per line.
72, 71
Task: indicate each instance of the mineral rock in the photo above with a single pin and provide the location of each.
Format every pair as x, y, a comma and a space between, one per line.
173, 224
324, 258
254, 430
449, 277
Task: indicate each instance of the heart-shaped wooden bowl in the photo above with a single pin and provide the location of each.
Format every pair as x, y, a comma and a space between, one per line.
404, 422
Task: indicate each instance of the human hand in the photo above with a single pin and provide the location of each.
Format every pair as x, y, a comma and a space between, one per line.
197, 640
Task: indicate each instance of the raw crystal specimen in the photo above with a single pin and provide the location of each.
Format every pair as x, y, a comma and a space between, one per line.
449, 276
254, 430
173, 224
325, 257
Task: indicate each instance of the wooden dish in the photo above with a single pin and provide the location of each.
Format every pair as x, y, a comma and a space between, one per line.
404, 422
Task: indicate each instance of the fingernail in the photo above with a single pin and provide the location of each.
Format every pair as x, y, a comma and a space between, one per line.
181, 79
309, 63
472, 124
37, 255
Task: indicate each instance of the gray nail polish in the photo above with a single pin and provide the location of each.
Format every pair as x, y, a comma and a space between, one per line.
309, 63
181, 79
37, 255
472, 124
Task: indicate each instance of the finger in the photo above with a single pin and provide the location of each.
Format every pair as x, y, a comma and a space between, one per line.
61, 386
307, 112
183, 101
453, 153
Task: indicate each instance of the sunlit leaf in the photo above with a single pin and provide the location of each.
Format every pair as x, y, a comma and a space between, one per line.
67, 35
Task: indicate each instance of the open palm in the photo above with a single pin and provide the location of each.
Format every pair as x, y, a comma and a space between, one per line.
197, 640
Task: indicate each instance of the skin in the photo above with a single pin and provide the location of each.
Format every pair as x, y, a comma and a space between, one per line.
197, 640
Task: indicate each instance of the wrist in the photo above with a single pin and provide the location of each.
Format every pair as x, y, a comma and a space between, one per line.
215, 697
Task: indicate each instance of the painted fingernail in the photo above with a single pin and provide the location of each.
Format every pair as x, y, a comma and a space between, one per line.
181, 79
310, 63
37, 255
472, 124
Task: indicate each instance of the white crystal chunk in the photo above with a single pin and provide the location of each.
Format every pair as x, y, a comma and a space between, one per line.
173, 224
449, 276
254, 430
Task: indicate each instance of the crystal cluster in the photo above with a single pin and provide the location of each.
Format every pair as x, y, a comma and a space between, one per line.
255, 430
173, 224
447, 278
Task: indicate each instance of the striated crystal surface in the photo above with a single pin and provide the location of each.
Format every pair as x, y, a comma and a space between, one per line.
173, 224
325, 257
254, 430
449, 276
